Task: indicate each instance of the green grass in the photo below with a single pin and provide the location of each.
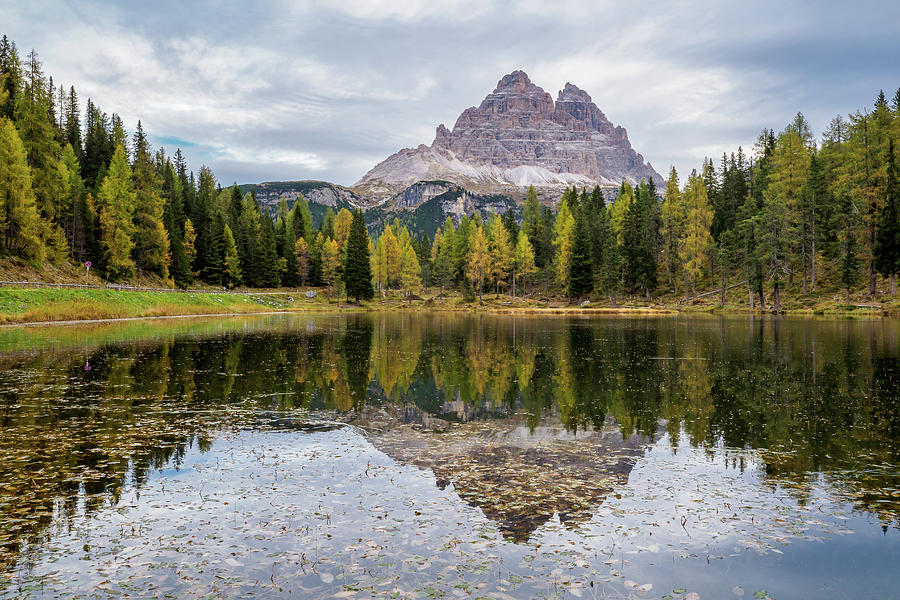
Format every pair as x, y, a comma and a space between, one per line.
22, 305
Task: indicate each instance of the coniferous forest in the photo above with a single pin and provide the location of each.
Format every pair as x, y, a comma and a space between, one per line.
798, 214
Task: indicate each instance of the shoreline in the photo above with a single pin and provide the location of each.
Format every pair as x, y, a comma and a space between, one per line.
27, 307
506, 311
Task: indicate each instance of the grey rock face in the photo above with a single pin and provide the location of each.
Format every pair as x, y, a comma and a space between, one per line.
420, 193
518, 136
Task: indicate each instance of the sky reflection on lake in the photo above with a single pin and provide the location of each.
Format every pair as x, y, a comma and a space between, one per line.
447, 455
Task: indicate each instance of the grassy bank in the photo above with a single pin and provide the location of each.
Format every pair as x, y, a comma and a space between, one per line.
25, 305
21, 305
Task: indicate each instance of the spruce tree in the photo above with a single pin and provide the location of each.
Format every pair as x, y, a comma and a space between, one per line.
116, 207
357, 266
232, 270
20, 224
581, 264
72, 127
887, 236
563, 234
235, 206
10, 77
697, 240
266, 262
640, 230
213, 269
523, 265
151, 241
849, 268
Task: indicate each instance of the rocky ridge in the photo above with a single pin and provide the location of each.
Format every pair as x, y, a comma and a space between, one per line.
518, 136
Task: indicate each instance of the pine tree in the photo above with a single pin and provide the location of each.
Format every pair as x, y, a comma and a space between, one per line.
232, 274
72, 126
563, 234
115, 201
442, 255
847, 222
523, 265
389, 259
357, 266
673, 222
509, 221
98, 147
10, 78
501, 251
461, 244
266, 260
887, 236
20, 226
331, 257
301, 251
640, 231
747, 250
235, 206
611, 276
410, 279
533, 224
479, 260
151, 241
72, 216
697, 240
342, 227
849, 268
247, 237
36, 123
581, 264
619, 209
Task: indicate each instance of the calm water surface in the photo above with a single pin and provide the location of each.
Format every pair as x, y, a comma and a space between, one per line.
444, 456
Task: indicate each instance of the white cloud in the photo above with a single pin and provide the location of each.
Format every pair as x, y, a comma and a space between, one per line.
327, 89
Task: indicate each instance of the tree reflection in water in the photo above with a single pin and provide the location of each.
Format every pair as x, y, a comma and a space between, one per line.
527, 417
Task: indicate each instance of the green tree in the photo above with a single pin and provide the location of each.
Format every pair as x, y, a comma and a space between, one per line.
887, 236
697, 241
389, 259
266, 262
442, 255
301, 251
342, 227
331, 257
115, 201
410, 279
581, 264
232, 261
523, 265
640, 231
673, 221
563, 236
151, 241
20, 226
357, 265
479, 260
501, 252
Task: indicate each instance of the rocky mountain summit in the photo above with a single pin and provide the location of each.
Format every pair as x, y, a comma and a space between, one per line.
518, 136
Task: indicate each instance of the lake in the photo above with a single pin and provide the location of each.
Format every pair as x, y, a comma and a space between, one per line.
451, 455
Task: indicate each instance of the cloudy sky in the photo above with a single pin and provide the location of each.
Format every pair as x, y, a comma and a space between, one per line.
264, 91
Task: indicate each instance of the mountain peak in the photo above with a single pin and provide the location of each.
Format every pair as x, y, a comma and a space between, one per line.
518, 136
517, 81
573, 93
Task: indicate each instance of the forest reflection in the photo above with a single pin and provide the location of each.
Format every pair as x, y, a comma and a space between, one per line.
82, 421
